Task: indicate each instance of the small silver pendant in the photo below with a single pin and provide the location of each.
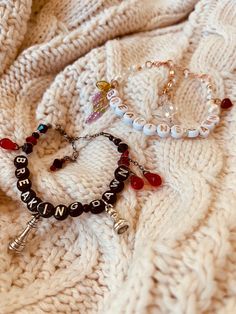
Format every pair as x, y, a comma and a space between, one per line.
17, 245
120, 224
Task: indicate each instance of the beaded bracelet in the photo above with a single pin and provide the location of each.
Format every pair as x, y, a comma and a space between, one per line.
168, 124
39, 208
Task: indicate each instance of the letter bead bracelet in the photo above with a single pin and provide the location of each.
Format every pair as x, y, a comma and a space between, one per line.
167, 114
44, 209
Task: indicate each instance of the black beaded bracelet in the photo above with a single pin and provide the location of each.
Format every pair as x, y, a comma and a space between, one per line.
39, 208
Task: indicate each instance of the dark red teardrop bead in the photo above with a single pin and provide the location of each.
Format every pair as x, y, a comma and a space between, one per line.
32, 140
136, 182
6, 143
153, 178
226, 103
53, 168
125, 154
123, 161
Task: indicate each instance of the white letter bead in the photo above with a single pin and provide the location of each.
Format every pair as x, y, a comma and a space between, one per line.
163, 130
214, 118
192, 132
120, 110
139, 123
114, 102
214, 109
208, 124
204, 132
177, 131
128, 117
149, 129
112, 93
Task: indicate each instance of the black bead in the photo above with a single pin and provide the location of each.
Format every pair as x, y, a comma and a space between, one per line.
22, 173
57, 163
27, 196
35, 135
61, 212
20, 161
42, 128
33, 203
97, 206
117, 141
122, 147
111, 137
116, 186
75, 209
27, 148
24, 185
86, 208
122, 173
45, 209
109, 197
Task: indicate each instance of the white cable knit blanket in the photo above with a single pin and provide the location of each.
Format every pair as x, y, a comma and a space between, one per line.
179, 255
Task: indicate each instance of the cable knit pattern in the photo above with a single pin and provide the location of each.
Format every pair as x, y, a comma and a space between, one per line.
179, 255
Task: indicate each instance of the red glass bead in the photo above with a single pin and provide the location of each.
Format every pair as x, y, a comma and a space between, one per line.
153, 178
136, 182
226, 103
125, 154
123, 161
53, 168
32, 140
6, 143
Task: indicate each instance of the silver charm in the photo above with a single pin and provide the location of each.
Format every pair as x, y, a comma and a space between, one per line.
120, 224
18, 244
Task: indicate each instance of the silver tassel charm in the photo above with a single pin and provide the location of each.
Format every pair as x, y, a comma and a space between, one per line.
18, 244
120, 224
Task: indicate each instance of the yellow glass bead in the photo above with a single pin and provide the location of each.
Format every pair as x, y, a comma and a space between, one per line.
103, 86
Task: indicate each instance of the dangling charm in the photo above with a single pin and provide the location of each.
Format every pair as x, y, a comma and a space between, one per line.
120, 224
153, 178
18, 244
136, 182
8, 144
100, 101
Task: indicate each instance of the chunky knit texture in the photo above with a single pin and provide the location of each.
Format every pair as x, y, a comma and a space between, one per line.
179, 255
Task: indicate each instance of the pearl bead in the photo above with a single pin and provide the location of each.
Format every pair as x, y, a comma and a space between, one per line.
214, 109
128, 117
208, 124
214, 118
139, 123
112, 93
149, 129
114, 102
163, 130
204, 132
177, 131
193, 132
120, 110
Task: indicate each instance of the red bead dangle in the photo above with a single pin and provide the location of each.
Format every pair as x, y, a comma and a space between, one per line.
8, 144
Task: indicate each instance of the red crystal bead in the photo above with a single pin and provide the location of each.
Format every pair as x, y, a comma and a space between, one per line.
32, 140
153, 178
125, 154
123, 161
6, 143
53, 168
226, 103
136, 182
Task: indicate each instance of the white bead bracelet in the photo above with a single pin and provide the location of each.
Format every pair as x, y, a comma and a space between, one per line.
168, 124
